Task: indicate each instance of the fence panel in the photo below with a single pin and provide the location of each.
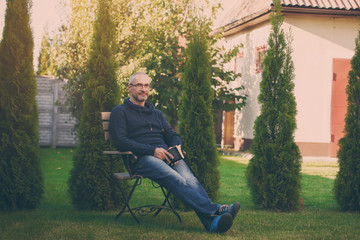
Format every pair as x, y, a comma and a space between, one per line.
56, 125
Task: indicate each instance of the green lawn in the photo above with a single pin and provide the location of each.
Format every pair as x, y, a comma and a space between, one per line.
55, 218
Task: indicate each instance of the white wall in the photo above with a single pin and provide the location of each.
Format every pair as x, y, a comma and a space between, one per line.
250, 38
317, 40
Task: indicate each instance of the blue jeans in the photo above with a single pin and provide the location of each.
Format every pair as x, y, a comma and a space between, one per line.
181, 182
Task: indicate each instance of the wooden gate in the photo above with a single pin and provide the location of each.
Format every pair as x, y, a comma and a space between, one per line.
229, 129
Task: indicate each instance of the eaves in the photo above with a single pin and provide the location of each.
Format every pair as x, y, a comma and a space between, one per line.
264, 15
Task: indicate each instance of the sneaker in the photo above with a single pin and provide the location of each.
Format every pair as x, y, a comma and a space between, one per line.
233, 209
221, 223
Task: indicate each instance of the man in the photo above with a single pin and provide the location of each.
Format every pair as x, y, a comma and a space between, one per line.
138, 127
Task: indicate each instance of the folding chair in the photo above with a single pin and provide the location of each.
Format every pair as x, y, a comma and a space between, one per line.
128, 157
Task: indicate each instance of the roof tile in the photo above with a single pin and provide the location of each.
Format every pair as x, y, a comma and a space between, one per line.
242, 9
329, 4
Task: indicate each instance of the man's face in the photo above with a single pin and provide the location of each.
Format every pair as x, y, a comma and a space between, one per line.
139, 89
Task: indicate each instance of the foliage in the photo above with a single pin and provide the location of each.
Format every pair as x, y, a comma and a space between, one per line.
165, 56
147, 34
226, 98
46, 61
44, 56
91, 180
347, 183
196, 120
21, 181
166, 59
75, 44
274, 172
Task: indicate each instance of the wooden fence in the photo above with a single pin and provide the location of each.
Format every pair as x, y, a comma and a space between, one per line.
56, 125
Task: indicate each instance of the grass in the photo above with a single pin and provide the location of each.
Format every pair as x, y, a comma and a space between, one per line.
55, 217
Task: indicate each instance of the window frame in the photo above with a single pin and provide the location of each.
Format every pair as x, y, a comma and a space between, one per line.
260, 56
240, 55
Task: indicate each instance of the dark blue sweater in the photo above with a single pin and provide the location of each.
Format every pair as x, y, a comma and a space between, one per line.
140, 129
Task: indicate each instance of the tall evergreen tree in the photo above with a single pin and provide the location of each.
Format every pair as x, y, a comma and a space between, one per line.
273, 173
196, 120
21, 181
347, 182
91, 182
45, 61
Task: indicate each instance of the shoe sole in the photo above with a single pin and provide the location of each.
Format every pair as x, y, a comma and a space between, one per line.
225, 223
236, 209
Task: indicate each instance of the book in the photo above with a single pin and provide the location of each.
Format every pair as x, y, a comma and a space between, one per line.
177, 153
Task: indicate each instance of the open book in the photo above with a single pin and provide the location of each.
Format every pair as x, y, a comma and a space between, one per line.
177, 153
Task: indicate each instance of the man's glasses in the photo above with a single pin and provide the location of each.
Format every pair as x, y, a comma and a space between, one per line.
139, 85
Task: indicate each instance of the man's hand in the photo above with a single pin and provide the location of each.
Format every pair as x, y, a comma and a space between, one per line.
163, 155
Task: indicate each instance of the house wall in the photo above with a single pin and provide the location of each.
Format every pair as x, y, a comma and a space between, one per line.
316, 42
250, 38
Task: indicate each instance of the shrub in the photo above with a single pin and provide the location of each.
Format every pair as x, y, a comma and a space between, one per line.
21, 180
196, 121
347, 182
91, 182
273, 173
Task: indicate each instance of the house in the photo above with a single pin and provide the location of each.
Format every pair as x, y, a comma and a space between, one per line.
323, 43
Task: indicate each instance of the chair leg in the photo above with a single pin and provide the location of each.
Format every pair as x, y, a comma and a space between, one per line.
166, 200
127, 200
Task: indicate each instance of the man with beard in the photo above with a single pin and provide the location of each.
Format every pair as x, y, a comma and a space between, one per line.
138, 127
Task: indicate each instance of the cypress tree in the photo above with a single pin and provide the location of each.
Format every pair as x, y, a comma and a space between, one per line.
45, 65
91, 182
347, 182
21, 180
273, 173
196, 120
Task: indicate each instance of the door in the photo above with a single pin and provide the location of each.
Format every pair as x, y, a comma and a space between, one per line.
341, 68
229, 129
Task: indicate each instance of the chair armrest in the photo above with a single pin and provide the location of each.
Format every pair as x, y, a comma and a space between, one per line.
117, 153
127, 157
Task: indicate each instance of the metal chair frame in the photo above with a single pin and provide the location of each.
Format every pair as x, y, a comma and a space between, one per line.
127, 158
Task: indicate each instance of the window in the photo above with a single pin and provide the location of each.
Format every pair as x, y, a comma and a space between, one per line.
238, 63
260, 56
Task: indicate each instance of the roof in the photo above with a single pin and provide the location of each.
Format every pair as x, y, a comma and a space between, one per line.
327, 4
243, 11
